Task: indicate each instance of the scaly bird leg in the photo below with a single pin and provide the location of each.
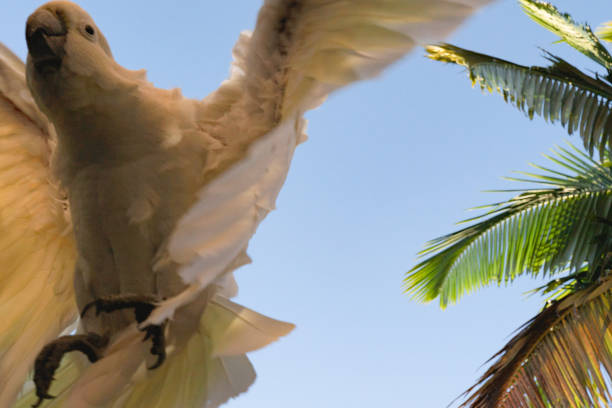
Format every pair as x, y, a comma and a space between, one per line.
49, 358
143, 306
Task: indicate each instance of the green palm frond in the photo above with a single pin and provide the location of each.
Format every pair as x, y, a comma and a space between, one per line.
605, 31
578, 36
560, 92
560, 287
540, 231
560, 358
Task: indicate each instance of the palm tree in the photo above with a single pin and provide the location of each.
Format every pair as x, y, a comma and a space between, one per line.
561, 229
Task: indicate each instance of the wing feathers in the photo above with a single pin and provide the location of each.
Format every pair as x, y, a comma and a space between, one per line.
240, 205
300, 51
334, 43
12, 87
37, 257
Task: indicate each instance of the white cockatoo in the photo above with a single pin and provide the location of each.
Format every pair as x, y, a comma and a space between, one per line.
139, 203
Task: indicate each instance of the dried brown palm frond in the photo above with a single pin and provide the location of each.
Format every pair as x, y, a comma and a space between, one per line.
561, 358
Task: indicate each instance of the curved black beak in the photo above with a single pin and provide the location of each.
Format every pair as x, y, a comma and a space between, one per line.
45, 36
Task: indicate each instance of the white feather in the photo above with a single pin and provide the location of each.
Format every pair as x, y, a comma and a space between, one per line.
13, 88
235, 329
324, 45
36, 253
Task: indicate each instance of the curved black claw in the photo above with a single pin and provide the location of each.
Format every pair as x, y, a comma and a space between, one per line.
41, 398
158, 338
49, 358
143, 305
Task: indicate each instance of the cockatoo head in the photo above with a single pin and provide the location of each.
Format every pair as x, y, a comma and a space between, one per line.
57, 27
69, 60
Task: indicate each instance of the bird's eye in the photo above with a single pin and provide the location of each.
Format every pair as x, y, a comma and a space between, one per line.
89, 29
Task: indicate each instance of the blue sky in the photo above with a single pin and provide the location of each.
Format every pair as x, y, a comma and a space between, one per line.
390, 164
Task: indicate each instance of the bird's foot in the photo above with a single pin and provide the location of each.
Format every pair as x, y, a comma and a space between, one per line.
143, 306
49, 358
155, 332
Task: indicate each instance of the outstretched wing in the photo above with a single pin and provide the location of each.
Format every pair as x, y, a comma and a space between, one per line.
300, 51
37, 251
